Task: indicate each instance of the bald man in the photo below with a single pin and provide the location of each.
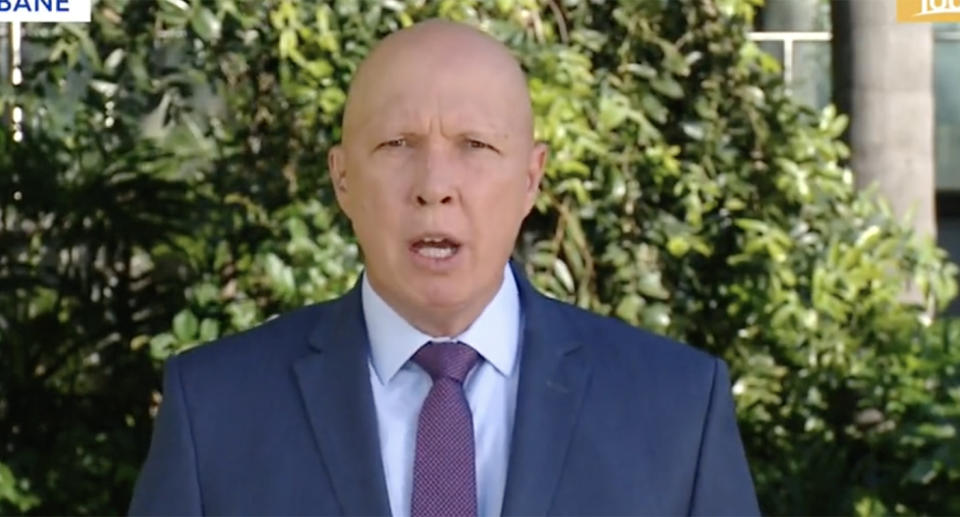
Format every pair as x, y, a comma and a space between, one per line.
443, 383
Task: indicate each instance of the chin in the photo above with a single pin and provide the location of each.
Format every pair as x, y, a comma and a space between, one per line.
437, 295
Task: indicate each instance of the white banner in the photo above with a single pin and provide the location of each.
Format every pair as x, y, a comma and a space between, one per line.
45, 10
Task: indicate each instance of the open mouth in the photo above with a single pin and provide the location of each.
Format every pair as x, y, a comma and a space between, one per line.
435, 247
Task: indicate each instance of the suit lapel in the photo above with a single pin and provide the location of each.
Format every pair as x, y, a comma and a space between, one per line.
334, 381
553, 379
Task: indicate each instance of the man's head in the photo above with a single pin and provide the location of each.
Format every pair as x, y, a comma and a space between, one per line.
437, 169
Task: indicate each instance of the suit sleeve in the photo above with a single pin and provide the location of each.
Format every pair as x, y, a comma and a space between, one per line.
168, 483
723, 484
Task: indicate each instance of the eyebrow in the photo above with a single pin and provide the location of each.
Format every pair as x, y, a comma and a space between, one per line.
400, 126
493, 134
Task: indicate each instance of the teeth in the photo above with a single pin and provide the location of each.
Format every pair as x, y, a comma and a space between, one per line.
436, 253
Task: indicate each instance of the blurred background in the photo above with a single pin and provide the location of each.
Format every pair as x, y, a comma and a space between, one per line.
775, 182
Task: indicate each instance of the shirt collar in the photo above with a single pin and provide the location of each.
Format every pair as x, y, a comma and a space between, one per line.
495, 334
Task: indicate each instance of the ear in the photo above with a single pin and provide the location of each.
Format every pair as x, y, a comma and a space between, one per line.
336, 164
535, 170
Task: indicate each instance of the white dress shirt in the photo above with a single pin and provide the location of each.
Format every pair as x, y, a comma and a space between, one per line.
400, 387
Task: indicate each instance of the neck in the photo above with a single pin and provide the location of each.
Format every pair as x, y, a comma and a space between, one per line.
446, 323
440, 321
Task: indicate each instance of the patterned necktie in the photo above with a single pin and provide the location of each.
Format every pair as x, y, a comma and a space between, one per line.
444, 471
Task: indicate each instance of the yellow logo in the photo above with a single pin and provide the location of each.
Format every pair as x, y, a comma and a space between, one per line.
928, 11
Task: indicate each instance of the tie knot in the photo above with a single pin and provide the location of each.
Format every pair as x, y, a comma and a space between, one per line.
451, 360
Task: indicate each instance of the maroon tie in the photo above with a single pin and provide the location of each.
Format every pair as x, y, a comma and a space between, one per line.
444, 471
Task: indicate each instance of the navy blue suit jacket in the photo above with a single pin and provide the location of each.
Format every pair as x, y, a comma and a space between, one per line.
610, 420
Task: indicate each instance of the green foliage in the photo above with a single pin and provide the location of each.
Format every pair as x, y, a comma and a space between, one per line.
171, 189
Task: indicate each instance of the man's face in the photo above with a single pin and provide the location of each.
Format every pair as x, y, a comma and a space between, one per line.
436, 173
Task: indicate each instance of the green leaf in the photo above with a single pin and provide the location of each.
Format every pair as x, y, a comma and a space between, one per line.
656, 317
629, 308
667, 86
613, 111
209, 329
319, 69
332, 100
573, 167
654, 108
185, 325
206, 24
678, 246
14, 491
162, 346
287, 43
505, 6
641, 70
650, 284
206, 294
243, 314
694, 130
174, 12
297, 228
562, 273
923, 471
673, 61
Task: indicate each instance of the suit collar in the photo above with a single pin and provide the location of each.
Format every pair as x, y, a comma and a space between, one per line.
335, 385
393, 341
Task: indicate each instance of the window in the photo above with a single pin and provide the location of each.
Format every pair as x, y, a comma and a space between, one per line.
946, 84
805, 58
797, 34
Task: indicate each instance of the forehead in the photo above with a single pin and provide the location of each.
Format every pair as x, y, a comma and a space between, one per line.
459, 83
415, 111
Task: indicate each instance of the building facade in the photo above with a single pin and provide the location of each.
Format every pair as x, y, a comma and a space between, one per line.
798, 34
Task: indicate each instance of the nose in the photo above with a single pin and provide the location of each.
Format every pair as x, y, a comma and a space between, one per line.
433, 197
436, 181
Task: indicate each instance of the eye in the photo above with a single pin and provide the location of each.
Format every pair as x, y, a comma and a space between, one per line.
396, 142
473, 143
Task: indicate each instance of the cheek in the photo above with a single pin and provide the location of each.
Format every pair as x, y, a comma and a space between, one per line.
383, 185
379, 205
497, 205
509, 189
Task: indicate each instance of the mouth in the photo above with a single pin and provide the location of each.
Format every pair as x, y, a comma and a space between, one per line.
435, 246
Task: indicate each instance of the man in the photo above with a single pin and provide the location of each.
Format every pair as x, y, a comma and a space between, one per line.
443, 383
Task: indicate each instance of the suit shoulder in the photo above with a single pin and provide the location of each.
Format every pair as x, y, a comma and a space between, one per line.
279, 338
616, 339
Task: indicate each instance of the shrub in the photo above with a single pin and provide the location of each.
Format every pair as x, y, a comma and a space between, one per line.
171, 189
